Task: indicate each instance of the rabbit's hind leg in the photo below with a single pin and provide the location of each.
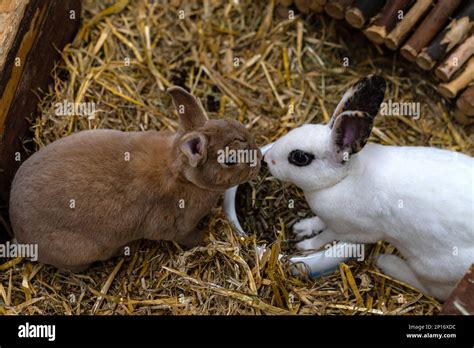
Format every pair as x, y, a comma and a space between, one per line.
398, 268
71, 251
191, 239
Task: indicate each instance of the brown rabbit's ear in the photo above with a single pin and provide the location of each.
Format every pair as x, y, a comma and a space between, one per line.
190, 111
350, 132
365, 95
194, 146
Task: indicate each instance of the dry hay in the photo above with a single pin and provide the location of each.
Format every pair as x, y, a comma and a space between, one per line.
267, 207
282, 62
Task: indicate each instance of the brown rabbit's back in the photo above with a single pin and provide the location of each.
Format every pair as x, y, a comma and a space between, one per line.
84, 197
89, 184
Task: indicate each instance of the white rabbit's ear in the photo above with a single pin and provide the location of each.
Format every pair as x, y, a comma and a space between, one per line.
190, 111
365, 95
350, 132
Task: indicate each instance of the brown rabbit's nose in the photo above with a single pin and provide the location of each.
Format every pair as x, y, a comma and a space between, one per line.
267, 159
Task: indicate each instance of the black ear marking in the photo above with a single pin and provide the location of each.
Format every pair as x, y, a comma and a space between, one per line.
365, 95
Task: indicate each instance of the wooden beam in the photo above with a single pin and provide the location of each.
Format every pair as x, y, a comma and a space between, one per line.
462, 118
386, 20
286, 3
465, 102
456, 59
45, 27
337, 8
428, 28
461, 300
452, 88
302, 5
402, 29
361, 11
448, 38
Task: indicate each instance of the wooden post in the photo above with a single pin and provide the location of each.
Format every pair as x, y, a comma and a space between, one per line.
316, 7
456, 59
465, 102
303, 5
7, 5
428, 28
461, 300
448, 38
45, 27
286, 3
452, 88
386, 21
337, 8
362, 10
462, 118
403, 27
307, 6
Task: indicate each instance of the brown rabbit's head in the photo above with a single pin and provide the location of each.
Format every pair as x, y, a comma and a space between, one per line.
213, 154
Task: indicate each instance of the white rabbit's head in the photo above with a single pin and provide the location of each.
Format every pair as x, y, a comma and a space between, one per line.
315, 156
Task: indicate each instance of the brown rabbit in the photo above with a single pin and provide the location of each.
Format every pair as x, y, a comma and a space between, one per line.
86, 196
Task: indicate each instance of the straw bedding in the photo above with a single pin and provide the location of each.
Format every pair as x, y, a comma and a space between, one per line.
266, 204
248, 61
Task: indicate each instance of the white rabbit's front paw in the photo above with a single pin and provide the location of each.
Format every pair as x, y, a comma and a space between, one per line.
309, 226
318, 241
306, 244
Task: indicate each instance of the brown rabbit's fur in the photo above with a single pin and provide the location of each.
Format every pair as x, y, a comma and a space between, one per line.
119, 201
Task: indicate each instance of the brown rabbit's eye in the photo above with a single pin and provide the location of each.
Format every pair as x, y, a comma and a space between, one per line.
300, 158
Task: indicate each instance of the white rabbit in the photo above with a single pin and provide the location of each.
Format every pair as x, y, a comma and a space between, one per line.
419, 199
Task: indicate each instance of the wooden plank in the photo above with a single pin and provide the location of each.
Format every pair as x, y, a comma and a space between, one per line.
337, 8
448, 38
362, 10
453, 87
409, 21
8, 5
462, 118
386, 20
35, 49
461, 300
429, 28
456, 59
11, 12
465, 102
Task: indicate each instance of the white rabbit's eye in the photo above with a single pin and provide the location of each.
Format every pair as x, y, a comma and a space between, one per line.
300, 158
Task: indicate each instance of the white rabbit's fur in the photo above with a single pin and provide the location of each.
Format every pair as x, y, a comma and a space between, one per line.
419, 199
